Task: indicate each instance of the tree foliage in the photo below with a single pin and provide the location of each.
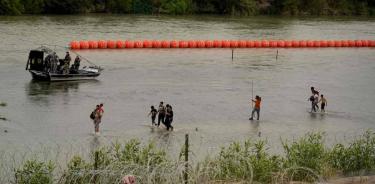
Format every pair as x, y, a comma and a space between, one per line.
230, 7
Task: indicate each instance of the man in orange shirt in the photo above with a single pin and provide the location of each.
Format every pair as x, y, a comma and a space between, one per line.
256, 107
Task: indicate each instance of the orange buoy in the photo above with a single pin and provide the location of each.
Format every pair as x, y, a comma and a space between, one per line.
249, 44
273, 43
295, 43
371, 43
138, 44
345, 43
310, 43
225, 44
323, 43
338, 43
102, 44
288, 43
330, 43
242, 44
233, 43
208, 44
257, 44
147, 44
358, 43
93, 44
83, 44
111, 44
192, 44
165, 44
119, 44
129, 44
200, 44
265, 43
74, 45
316, 43
182, 44
217, 44
351, 43
364, 43
174, 44
280, 43
156, 44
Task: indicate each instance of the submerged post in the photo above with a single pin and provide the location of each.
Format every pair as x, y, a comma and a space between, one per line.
186, 177
96, 160
232, 54
277, 54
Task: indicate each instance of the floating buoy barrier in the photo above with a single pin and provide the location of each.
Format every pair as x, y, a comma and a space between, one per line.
128, 44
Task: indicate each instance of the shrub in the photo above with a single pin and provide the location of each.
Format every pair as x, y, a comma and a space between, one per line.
35, 172
308, 153
357, 156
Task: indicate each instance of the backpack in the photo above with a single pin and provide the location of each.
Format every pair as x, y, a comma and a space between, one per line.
311, 98
92, 115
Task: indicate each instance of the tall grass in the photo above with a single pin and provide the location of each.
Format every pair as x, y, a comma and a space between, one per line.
305, 159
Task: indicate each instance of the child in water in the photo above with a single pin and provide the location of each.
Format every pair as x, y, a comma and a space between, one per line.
153, 113
323, 103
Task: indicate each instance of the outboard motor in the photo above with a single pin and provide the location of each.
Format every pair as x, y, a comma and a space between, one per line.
35, 61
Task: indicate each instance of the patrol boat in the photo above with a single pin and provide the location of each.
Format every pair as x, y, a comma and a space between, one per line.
51, 68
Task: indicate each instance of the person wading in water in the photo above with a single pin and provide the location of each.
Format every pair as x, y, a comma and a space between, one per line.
153, 113
161, 112
256, 107
98, 117
169, 117
323, 103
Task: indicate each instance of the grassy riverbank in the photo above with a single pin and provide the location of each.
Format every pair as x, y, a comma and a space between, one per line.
306, 159
229, 7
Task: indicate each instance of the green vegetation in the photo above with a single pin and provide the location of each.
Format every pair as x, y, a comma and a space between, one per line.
306, 159
35, 172
229, 7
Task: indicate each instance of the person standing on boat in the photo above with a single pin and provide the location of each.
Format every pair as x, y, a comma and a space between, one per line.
54, 61
67, 63
161, 112
47, 64
77, 62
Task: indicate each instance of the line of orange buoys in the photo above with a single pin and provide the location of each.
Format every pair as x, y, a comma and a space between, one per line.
127, 44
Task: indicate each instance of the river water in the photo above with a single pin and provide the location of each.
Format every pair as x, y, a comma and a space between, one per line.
209, 92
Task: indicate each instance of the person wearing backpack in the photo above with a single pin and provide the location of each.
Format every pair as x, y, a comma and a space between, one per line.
94, 117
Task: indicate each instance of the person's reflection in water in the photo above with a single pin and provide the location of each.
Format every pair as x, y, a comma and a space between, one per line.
94, 144
255, 130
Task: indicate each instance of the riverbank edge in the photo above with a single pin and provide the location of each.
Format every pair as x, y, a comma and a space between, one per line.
306, 159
